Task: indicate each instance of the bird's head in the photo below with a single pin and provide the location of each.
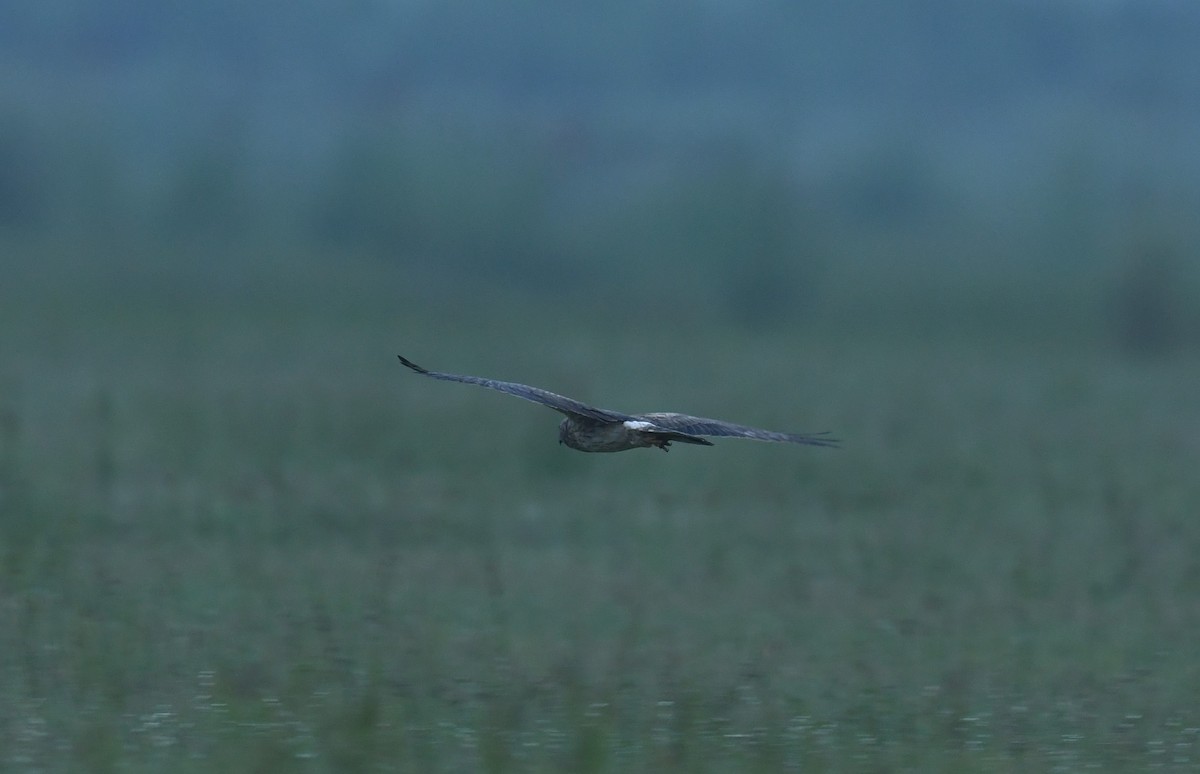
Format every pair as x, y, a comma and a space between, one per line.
563, 431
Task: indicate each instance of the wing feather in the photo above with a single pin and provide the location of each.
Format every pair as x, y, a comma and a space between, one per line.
716, 427
555, 401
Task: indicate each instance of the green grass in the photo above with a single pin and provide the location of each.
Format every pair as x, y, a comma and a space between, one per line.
235, 535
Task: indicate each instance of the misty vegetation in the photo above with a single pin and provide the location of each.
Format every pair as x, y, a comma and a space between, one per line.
236, 535
763, 159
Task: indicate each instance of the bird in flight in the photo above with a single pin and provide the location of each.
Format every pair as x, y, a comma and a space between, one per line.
590, 429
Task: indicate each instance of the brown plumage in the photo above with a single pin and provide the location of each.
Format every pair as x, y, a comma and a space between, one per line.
590, 429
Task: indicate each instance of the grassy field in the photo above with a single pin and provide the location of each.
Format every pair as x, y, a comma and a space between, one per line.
235, 535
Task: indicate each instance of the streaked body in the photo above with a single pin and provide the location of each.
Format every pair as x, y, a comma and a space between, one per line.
591, 435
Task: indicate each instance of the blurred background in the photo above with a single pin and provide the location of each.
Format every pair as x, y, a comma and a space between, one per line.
1012, 168
236, 534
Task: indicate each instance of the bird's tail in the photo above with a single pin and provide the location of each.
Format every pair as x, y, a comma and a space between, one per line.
672, 435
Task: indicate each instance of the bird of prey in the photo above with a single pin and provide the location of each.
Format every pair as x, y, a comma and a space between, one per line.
590, 429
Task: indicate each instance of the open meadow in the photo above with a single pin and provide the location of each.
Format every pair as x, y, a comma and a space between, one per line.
235, 535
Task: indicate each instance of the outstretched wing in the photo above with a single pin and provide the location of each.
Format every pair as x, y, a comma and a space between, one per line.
715, 427
535, 394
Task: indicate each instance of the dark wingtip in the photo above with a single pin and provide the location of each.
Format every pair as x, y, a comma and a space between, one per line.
819, 439
412, 365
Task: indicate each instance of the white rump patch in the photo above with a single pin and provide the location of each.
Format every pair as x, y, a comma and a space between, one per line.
637, 424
